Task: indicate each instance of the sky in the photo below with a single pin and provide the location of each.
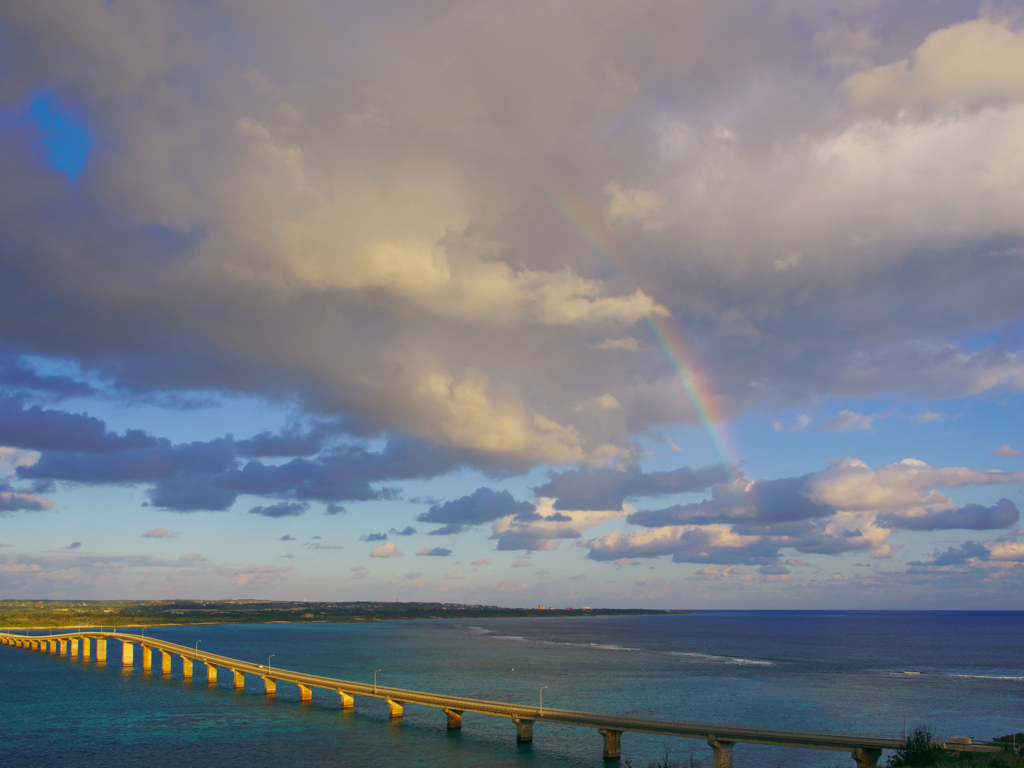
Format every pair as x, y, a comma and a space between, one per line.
624, 304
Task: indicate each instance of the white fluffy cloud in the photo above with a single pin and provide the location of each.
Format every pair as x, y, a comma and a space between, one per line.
971, 61
387, 549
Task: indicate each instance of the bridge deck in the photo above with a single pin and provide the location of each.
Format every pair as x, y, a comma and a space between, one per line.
712, 731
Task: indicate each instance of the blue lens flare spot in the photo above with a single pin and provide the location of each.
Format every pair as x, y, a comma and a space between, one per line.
66, 142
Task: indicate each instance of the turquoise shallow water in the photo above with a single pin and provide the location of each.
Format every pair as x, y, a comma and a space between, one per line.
961, 672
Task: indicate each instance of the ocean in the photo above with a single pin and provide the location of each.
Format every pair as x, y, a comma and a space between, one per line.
961, 673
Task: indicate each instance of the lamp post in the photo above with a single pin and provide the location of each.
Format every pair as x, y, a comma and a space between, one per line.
375, 678
197, 648
541, 712
268, 660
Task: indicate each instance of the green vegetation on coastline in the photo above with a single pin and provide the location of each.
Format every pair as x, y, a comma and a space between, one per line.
24, 614
922, 750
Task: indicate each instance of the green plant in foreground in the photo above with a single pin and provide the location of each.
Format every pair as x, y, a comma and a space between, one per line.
919, 751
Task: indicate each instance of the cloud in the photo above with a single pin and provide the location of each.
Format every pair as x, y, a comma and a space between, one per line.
159, 533
631, 208
956, 555
192, 557
456, 575
607, 489
521, 562
407, 531
847, 507
388, 549
765, 501
20, 500
326, 546
287, 537
1007, 451
454, 303
207, 475
359, 572
374, 537
482, 561
267, 444
971, 61
282, 509
481, 506
434, 552
74, 545
928, 417
40, 429
974, 517
625, 344
802, 422
847, 420
19, 377
545, 529
11, 458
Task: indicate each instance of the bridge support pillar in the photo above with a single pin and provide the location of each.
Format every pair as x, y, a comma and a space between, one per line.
305, 692
86, 647
347, 702
394, 708
866, 757
454, 719
101, 650
73, 647
211, 673
127, 654
54, 646
269, 686
186, 668
239, 678
165, 662
524, 731
721, 753
612, 748
147, 658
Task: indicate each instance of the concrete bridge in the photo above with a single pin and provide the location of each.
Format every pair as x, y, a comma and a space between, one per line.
865, 750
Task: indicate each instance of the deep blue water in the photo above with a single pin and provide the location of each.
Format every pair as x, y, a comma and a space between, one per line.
854, 672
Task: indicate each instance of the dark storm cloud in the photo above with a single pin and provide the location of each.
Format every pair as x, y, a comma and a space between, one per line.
159, 460
481, 506
955, 555
766, 502
20, 500
435, 552
207, 475
603, 488
39, 429
532, 540
268, 444
281, 509
974, 517
16, 375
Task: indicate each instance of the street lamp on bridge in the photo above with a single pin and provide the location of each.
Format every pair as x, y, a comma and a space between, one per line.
375, 678
541, 712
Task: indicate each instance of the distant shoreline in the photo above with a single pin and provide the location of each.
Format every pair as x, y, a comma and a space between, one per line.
44, 614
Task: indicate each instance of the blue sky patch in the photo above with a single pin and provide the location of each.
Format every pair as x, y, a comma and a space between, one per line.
66, 140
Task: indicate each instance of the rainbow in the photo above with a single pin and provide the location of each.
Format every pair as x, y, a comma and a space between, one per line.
664, 329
